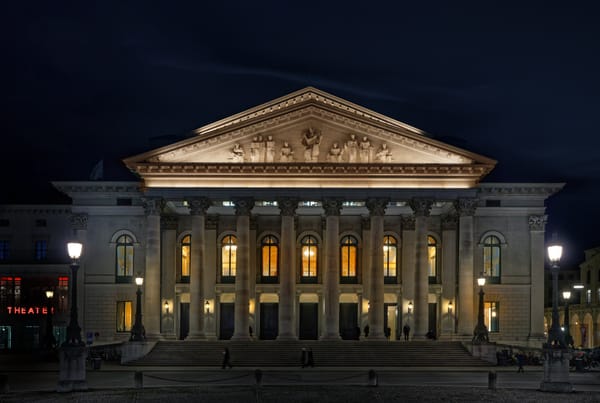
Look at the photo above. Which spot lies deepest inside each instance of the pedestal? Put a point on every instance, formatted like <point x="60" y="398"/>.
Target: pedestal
<point x="133" y="350"/>
<point x="72" y="369"/>
<point x="485" y="352"/>
<point x="556" y="371"/>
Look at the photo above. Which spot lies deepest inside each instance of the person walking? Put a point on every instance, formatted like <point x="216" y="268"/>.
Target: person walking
<point x="226" y="359"/>
<point x="406" y="331"/>
<point x="520" y="362"/>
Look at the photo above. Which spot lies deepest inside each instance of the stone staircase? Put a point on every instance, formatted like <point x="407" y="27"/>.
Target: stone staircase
<point x="326" y="354"/>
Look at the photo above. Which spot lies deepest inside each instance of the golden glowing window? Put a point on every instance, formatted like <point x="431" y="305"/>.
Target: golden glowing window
<point x="432" y="256"/>
<point x="390" y="256"/>
<point x="491" y="316"/>
<point x="491" y="258"/>
<point x="125" y="256"/>
<point x="186" y="254"/>
<point x="270" y="251"/>
<point x="124" y="316"/>
<point x="348" y="256"/>
<point x="309" y="256"/>
<point x="228" y="256"/>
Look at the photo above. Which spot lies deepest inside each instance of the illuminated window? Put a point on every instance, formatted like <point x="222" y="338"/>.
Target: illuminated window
<point x="588" y="296"/>
<point x="4" y="249"/>
<point x="10" y="291"/>
<point x="228" y="257"/>
<point x="390" y="258"/>
<point x="41" y="249"/>
<point x="124" y="258"/>
<point x="270" y="258"/>
<point x="309" y="203"/>
<point x="491" y="258"/>
<point x="432" y="259"/>
<point x="124" y="316"/>
<point x="491" y="316"/>
<point x="309" y="258"/>
<point x="348" y="259"/>
<point x="186" y="254"/>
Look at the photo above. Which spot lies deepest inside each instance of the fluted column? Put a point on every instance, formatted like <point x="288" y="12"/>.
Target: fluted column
<point x="287" y="271"/>
<point x="242" y="274"/>
<point x="421" y="209"/>
<point x="168" y="226"/>
<point x="198" y="208"/>
<point x="449" y="225"/>
<point x="79" y="227"/>
<point x="151" y="319"/>
<point x="377" y="211"/>
<point x="331" y="288"/>
<point x="537" y="227"/>
<point x="466" y="310"/>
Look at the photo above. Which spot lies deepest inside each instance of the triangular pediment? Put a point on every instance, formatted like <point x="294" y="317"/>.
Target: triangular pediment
<point x="310" y="131"/>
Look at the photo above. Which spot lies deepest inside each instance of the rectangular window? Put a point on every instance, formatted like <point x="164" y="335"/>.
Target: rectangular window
<point x="10" y="291"/>
<point x="63" y="294"/>
<point x="41" y="249"/>
<point x="4" y="249"/>
<point x="348" y="261"/>
<point x="491" y="315"/>
<point x="124" y="316"/>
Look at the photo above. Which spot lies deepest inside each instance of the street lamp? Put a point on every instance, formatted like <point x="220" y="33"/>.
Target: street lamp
<point x="137" y="332"/>
<point x="480" y="334"/>
<point x="555" y="335"/>
<point x="566" y="297"/>
<point x="73" y="330"/>
<point x="410" y="307"/>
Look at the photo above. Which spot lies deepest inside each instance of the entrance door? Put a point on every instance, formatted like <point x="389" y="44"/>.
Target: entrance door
<point x="184" y="320"/>
<point x="390" y="326"/>
<point x="349" y="329"/>
<point x="226" y="321"/>
<point x="269" y="320"/>
<point x="433" y="319"/>
<point x="309" y="321"/>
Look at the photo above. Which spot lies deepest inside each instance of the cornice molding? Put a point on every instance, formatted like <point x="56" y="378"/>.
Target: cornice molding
<point x="519" y="189"/>
<point x="99" y="187"/>
<point x="35" y="209"/>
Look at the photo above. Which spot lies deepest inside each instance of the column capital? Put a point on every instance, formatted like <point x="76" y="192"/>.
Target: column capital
<point x="153" y="205"/>
<point x="287" y="206"/>
<point x="449" y="221"/>
<point x="538" y="222"/>
<point x="168" y="222"/>
<point x="377" y="206"/>
<point x="243" y="206"/>
<point x="199" y="205"/>
<point x="332" y="207"/>
<point x="78" y="221"/>
<point x="420" y="207"/>
<point x="408" y="222"/>
<point x="465" y="207"/>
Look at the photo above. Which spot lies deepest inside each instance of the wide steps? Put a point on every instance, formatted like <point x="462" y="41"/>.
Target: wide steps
<point x="326" y="354"/>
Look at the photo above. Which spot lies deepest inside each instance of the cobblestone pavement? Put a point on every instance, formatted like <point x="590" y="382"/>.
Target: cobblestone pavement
<point x="303" y="394"/>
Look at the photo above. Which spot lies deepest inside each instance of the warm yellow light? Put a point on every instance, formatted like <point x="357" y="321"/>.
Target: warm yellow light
<point x="167" y="306"/>
<point x="74" y="249"/>
<point x="481" y="281"/>
<point x="410" y="307"/>
<point x="449" y="306"/>
<point x="139" y="281"/>
<point x="554" y="253"/>
<point x="49" y="294"/>
<point x="566" y="295"/>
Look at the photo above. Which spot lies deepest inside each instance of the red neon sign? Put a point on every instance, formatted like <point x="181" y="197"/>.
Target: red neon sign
<point x="31" y="310"/>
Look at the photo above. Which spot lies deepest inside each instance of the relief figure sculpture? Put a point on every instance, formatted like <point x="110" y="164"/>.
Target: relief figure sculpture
<point x="311" y="139"/>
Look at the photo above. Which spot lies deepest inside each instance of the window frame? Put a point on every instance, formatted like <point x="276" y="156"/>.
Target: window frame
<point x="387" y="278"/>
<point x="311" y="242"/>
<point x="40" y="249"/>
<point x="127" y="242"/>
<point x="432" y="242"/>
<point x="492" y="322"/>
<point x="490" y="243"/>
<point x="229" y="240"/>
<point x="271" y="248"/>
<point x="126" y="304"/>
<point x="186" y="242"/>
<point x="350" y="243"/>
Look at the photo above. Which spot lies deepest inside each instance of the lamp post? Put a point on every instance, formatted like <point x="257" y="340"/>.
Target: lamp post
<point x="568" y="339"/>
<point x="73" y="329"/>
<point x="137" y="332"/>
<point x="555" y="335"/>
<point x="50" y="340"/>
<point x="480" y="334"/>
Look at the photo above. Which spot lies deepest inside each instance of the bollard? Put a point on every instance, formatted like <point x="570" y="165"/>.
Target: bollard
<point x="372" y="378"/>
<point x="258" y="376"/>
<point x="492" y="380"/>
<point x="138" y="378"/>
<point x="4" y="383"/>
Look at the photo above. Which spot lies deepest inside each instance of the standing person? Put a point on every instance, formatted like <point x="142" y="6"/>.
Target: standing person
<point x="520" y="361"/>
<point x="303" y="358"/>
<point x="367" y="330"/>
<point x="226" y="359"/>
<point x="310" y="361"/>
<point x="406" y="331"/>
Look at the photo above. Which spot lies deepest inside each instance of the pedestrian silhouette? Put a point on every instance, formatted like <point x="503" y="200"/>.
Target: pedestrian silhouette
<point x="406" y="331"/>
<point x="310" y="361"/>
<point x="520" y="362"/>
<point x="226" y="359"/>
<point x="367" y="330"/>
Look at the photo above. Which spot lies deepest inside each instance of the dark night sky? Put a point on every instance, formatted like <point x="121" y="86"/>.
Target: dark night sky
<point x="83" y="82"/>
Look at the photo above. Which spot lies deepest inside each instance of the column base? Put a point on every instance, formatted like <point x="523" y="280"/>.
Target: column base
<point x="330" y="337"/>
<point x="287" y="337"/>
<point x="72" y="372"/>
<point x="196" y="336"/>
<point x="241" y="337"/>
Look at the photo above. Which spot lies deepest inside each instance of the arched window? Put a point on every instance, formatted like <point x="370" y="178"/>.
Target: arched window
<point x="270" y="258"/>
<point x="348" y="259"/>
<point x="186" y="258"/>
<point x="432" y="259"/>
<point x="390" y="259"/>
<point x="124" y="259"/>
<point x="491" y="258"/>
<point x="309" y="259"/>
<point x="228" y="258"/>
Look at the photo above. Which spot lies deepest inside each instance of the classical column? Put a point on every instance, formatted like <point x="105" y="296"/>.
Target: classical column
<point x="449" y="225"/>
<point x="287" y="271"/>
<point x="421" y="209"/>
<point x="408" y="268"/>
<point x="198" y="208"/>
<point x="79" y="227"/>
<point x="466" y="310"/>
<point x="209" y="275"/>
<point x="168" y="226"/>
<point x="152" y="305"/>
<point x="537" y="227"/>
<point x="243" y="207"/>
<point x="331" y="289"/>
<point x="377" y="211"/>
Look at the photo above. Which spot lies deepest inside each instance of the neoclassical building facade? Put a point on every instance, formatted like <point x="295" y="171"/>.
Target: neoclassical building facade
<point x="310" y="217"/>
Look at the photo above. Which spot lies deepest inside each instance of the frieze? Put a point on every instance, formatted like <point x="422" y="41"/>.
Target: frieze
<point x="538" y="222"/>
<point x="79" y="221"/>
<point x="466" y="207"/>
<point x="533" y="189"/>
<point x="37" y="210"/>
<point x="421" y="207"/>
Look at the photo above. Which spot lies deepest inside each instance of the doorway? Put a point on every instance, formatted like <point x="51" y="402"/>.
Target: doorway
<point x="309" y="320"/>
<point x="433" y="319"/>
<point x="349" y="329"/>
<point x="184" y="320"/>
<point x="269" y="320"/>
<point x="390" y="322"/>
<point x="227" y="320"/>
